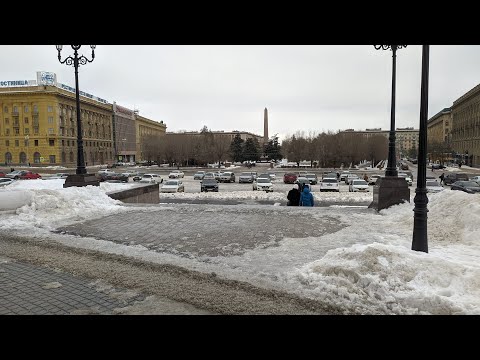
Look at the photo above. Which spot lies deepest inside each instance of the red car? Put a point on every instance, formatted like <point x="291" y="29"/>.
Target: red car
<point x="26" y="175"/>
<point x="2" y="174"/>
<point x="289" y="178"/>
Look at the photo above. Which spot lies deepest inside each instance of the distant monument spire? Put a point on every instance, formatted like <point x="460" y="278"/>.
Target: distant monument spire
<point x="265" y="126"/>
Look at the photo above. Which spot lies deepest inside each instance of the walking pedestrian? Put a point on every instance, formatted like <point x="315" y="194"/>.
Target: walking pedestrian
<point x="306" y="197"/>
<point x="293" y="196"/>
<point x="442" y="177"/>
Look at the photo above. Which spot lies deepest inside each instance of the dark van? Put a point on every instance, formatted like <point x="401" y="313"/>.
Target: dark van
<point x="451" y="178"/>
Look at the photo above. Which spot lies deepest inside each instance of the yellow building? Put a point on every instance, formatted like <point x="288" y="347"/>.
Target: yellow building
<point x="439" y="127"/>
<point x="149" y="134"/>
<point x="466" y="127"/>
<point x="406" y="139"/>
<point x="38" y="125"/>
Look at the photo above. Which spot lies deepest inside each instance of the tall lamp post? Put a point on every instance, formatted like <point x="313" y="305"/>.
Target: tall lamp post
<point x="81" y="178"/>
<point x="391" y="189"/>
<point x="420" y="242"/>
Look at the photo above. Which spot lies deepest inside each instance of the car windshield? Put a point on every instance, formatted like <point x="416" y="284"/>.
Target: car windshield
<point x="171" y="183"/>
<point x="263" y="180"/>
<point x="199" y="173"/>
<point x="209" y="181"/>
<point x="359" y="182"/>
<point x="147" y="176"/>
<point x="329" y="180"/>
<point x="246" y="174"/>
<point x="311" y="176"/>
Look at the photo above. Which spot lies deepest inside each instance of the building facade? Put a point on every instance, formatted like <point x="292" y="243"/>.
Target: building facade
<point x="439" y="127"/>
<point x="406" y="139"/>
<point x="124" y="134"/>
<point x="38" y="125"/>
<point x="230" y="135"/>
<point x="149" y="135"/>
<point x="466" y="127"/>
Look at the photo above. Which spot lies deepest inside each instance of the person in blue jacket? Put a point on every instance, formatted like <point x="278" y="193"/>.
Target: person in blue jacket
<point x="306" y="197"/>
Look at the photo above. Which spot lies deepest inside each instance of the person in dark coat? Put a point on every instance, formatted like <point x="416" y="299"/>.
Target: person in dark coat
<point x="306" y="197"/>
<point x="293" y="196"/>
<point x="442" y="177"/>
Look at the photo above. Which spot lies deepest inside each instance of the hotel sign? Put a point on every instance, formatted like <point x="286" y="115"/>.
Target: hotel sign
<point x="13" y="83"/>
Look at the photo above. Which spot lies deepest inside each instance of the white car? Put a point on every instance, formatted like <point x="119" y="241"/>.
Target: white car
<point x="105" y="171"/>
<point x="176" y="174"/>
<point x="407" y="178"/>
<point x="350" y="177"/>
<point x="151" y="178"/>
<point x="372" y="180"/>
<point x="4" y="181"/>
<point x="170" y="186"/>
<point x="329" y="184"/>
<point x="263" y="184"/>
<point x="272" y="176"/>
<point x="476" y="179"/>
<point x="358" y="185"/>
<point x="57" y="176"/>
<point x="433" y="186"/>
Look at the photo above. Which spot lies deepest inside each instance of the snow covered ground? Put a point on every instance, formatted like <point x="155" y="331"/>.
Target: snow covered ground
<point x="375" y="273"/>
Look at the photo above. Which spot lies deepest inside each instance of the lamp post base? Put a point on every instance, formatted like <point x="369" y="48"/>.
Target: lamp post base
<point x="389" y="191"/>
<point x="81" y="180"/>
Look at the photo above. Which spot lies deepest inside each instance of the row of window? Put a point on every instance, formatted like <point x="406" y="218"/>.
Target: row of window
<point x="37" y="158"/>
<point x="26" y="109"/>
<point x="51" y="142"/>
<point x="23" y="158"/>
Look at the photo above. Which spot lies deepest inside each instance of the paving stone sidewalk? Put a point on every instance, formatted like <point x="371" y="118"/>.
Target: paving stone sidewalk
<point x="26" y="289"/>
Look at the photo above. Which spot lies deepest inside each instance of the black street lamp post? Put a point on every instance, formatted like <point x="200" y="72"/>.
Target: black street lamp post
<point x="420" y="242"/>
<point x="81" y="178"/>
<point x="391" y="189"/>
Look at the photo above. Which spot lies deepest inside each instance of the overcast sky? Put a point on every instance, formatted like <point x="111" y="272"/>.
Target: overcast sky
<point x="305" y="88"/>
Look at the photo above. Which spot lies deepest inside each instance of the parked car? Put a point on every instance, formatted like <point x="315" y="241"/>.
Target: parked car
<point x="372" y="180"/>
<point x="433" y="186"/>
<point x="470" y="187"/>
<point x="290" y="178"/>
<point x="104" y="171"/>
<point x="138" y="177"/>
<point x="476" y="179"/>
<point x="438" y="166"/>
<point x="57" y="176"/>
<point x="15" y="174"/>
<point x="263" y="184"/>
<point x="407" y="178"/>
<point x="312" y="178"/>
<point x="227" y="176"/>
<point x="209" y="175"/>
<point x="350" y="178"/>
<point x="199" y="175"/>
<point x="4" y="181"/>
<point x="301" y="181"/>
<point x="28" y="175"/>
<point x="344" y="175"/>
<point x="208" y="184"/>
<point x="170" y="186"/>
<point x="2" y="174"/>
<point x="454" y="177"/>
<point x="404" y="166"/>
<point x="245" y="177"/>
<point x="329" y="184"/>
<point x="151" y="178"/>
<point x="272" y="176"/>
<point x="217" y="175"/>
<point x="358" y="185"/>
<point x="115" y="177"/>
<point x="176" y="174"/>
